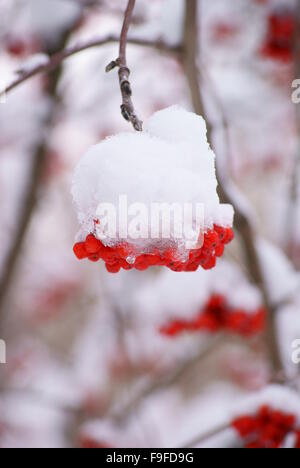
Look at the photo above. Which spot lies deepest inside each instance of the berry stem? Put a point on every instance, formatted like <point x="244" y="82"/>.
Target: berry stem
<point x="127" y="107"/>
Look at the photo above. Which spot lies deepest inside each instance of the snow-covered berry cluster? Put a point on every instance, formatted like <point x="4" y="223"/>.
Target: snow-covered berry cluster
<point x="279" y="40"/>
<point x="268" y="428"/>
<point x="168" y="164"/>
<point x="123" y="255"/>
<point x="218" y="315"/>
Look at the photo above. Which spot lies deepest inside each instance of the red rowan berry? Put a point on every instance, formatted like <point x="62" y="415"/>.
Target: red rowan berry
<point x="16" y="47"/>
<point x="245" y="425"/>
<point x="221" y="231"/>
<point x="206" y="256"/>
<point x="219" y="251"/>
<point x="113" y="268"/>
<point x="175" y="328"/>
<point x="94" y="258"/>
<point x="212" y="239"/>
<point x="279" y="41"/>
<point x="92" y="244"/>
<point x="80" y="250"/>
<point x="211" y="263"/>
<point x="229" y="236"/>
<point x="268" y="428"/>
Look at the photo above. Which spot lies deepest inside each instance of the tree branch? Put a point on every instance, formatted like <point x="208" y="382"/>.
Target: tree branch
<point x="127" y="107"/>
<point x="201" y="438"/>
<point x="170" y="379"/>
<point x="291" y="220"/>
<point x="56" y="60"/>
<point x="31" y="192"/>
<point x="242" y="223"/>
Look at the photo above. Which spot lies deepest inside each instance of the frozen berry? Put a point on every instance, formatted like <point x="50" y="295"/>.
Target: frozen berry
<point x="217" y="315"/>
<point x="94" y="258"/>
<point x="265" y="429"/>
<point x="80" y="250"/>
<point x="92" y="244"/>
<point x="206" y="256"/>
<point x="280" y="36"/>
<point x="114" y="268"/>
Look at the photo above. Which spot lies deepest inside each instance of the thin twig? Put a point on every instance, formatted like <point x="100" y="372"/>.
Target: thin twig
<point x="291" y="220"/>
<point x="57" y="59"/>
<point x="170" y="379"/>
<point x="29" y="202"/>
<point x="242" y="223"/>
<point x="41" y="398"/>
<point x="201" y="438"/>
<point x="127" y="107"/>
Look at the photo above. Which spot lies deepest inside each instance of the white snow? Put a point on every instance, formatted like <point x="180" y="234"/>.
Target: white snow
<point x="172" y="21"/>
<point x="34" y="61"/>
<point x="46" y="18"/>
<point x="255" y="95"/>
<point x="281" y="279"/>
<point x="170" y="162"/>
<point x="276" y="396"/>
<point x="288" y="322"/>
<point x="167" y="25"/>
<point x="178" y="296"/>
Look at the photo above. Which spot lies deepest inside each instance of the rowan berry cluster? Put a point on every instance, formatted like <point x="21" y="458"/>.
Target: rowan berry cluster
<point x="218" y="316"/>
<point x="267" y="429"/>
<point x="280" y="36"/>
<point x="123" y="256"/>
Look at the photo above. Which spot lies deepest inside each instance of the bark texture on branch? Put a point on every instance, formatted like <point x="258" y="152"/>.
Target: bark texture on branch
<point x="127" y="107"/>
<point x="242" y="223"/>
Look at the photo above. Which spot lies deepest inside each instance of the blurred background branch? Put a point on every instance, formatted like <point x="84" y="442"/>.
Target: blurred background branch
<point x="31" y="195"/>
<point x="242" y="223"/>
<point x="56" y="59"/>
<point x="94" y="363"/>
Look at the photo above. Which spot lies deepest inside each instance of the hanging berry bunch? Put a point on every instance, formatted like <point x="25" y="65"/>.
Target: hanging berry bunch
<point x="218" y="316"/>
<point x="168" y="164"/>
<point x="120" y="256"/>
<point x="280" y="36"/>
<point x="268" y="428"/>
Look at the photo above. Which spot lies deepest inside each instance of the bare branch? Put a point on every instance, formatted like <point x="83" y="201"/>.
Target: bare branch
<point x="31" y="192"/>
<point x="127" y="107"/>
<point x="242" y="223"/>
<point x="168" y="380"/>
<point x="41" y="398"/>
<point x="23" y="223"/>
<point x="57" y="59"/>
<point x="201" y="438"/>
<point x="291" y="220"/>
